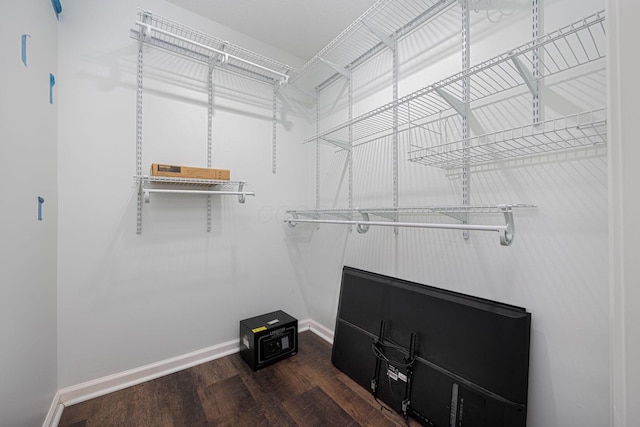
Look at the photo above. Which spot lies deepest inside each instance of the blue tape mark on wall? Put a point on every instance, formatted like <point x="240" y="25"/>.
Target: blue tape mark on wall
<point x="57" y="8"/>
<point x="52" y="83"/>
<point x="24" y="48"/>
<point x="40" y="202"/>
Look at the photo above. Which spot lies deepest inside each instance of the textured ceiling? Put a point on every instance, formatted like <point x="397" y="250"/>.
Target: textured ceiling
<point x="299" y="27"/>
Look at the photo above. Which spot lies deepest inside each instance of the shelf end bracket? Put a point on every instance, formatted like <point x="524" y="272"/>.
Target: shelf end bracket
<point x="241" y="197"/>
<point x="340" y="144"/>
<point x="292" y="223"/>
<point x="454" y="102"/>
<point x="363" y="228"/>
<point x="340" y="70"/>
<point x="526" y="75"/>
<point x="389" y="41"/>
<point x="508" y="233"/>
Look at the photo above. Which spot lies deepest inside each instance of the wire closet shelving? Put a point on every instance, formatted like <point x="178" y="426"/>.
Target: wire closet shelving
<point x="419" y="113"/>
<point x="194" y="45"/>
<point x="382" y="25"/>
<point x="196" y="186"/>
<point x="163" y="33"/>
<point x="565" y="133"/>
<point x="410" y="117"/>
<point x="575" y="45"/>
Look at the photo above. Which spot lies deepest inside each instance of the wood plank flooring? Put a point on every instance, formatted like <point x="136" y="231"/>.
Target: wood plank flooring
<point x="303" y="390"/>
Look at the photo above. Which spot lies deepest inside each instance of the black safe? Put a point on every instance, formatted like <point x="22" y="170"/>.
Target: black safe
<point x="268" y="338"/>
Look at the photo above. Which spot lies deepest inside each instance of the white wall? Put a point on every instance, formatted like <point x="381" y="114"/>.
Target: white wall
<point x="28" y="130"/>
<point x="126" y="300"/>
<point x="624" y="211"/>
<point x="557" y="266"/>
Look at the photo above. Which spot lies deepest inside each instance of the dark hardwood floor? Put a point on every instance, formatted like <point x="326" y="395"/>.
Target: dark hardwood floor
<point x="302" y="390"/>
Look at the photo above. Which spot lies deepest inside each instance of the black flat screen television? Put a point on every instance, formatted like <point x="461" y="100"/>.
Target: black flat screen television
<point x="443" y="358"/>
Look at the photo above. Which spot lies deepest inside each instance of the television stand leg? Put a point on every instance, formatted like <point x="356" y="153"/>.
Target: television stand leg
<point x="406" y="403"/>
<point x="376" y="373"/>
<point x="405" y="408"/>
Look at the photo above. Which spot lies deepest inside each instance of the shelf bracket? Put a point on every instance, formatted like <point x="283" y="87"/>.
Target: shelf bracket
<point x="526" y="75"/>
<point x="340" y="70"/>
<point x="241" y="197"/>
<point x="145" y="28"/>
<point x="390" y="215"/>
<point x="292" y="223"/>
<point x="223" y="56"/>
<point x="309" y="93"/>
<point x="507" y="235"/>
<point x="363" y="228"/>
<point x="389" y="41"/>
<point x="454" y="102"/>
<point x="459" y="216"/>
<point x="341" y="144"/>
<point x="213" y="59"/>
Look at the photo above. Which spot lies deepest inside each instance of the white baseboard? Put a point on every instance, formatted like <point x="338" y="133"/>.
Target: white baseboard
<point x="55" y="412"/>
<point x="318" y="329"/>
<point x="101" y="386"/>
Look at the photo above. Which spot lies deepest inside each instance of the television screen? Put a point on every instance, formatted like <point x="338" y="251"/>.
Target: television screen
<point x="441" y="357"/>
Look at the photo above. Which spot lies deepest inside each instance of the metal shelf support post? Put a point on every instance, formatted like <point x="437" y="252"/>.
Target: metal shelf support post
<point x="466" y="102"/>
<point x="350" y="152"/>
<point x="391" y="43"/>
<point x="317" y="150"/>
<point x="394" y="52"/>
<point x="140" y="69"/>
<point x="274" y="124"/>
<point x="537" y="29"/>
<point x="210" y="132"/>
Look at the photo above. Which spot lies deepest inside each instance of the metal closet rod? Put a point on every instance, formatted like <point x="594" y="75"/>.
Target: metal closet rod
<point x="241" y="194"/>
<point x="506" y="231"/>
<point x="219" y="192"/>
<point x="226" y="55"/>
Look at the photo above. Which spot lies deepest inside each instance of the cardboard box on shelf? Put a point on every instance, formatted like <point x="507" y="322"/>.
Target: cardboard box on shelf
<point x="189" y="172"/>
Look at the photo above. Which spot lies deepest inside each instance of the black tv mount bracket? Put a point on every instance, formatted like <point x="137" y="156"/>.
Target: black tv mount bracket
<point x="409" y="361"/>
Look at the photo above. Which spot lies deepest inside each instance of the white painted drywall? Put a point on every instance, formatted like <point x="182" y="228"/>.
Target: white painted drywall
<point x="557" y="266"/>
<point x="126" y="300"/>
<point x="624" y="211"/>
<point x="28" y="131"/>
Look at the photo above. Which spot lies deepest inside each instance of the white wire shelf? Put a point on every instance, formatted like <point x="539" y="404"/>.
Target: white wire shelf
<point x="360" y="217"/>
<point x="219" y="183"/>
<point x="193" y="186"/>
<point x="585" y="129"/>
<point x="573" y="46"/>
<point x="393" y="19"/>
<point x="179" y="39"/>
